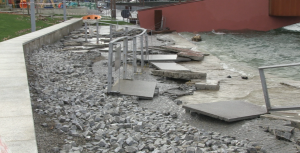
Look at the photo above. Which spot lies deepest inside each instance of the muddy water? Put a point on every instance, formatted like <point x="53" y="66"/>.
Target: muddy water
<point x="283" y="91"/>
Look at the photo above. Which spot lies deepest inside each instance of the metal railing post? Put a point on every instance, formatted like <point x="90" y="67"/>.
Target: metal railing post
<point x="142" y="53"/>
<point x="125" y="45"/>
<point x="85" y="27"/>
<point x="97" y="33"/>
<point x="32" y="16"/>
<point x="110" y="31"/>
<point x="134" y="54"/>
<point x="65" y="10"/>
<point x="109" y="76"/>
<point x="126" y="31"/>
<point x="146" y="46"/>
<point x="264" y="88"/>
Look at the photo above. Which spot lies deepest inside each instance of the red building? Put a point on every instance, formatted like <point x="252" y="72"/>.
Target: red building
<point x="197" y="16"/>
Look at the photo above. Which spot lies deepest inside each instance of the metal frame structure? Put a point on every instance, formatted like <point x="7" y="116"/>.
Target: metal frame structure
<point x="265" y="88"/>
<point x="125" y="51"/>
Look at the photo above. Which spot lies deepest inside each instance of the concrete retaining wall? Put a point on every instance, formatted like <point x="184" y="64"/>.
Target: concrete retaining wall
<point x="51" y="36"/>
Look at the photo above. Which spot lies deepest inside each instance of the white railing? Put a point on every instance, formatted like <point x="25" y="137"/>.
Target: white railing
<point x="265" y="88"/>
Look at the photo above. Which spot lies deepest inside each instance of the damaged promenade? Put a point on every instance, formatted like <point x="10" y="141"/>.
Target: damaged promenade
<point x="73" y="113"/>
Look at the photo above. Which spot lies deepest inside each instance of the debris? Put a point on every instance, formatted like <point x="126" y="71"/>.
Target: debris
<point x="197" y="38"/>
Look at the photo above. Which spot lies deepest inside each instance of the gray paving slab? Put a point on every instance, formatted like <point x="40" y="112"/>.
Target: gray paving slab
<point x="21" y="126"/>
<point x="159" y="57"/>
<point x="9" y="54"/>
<point x="228" y="111"/>
<point x="10" y="45"/>
<point x="10" y="51"/>
<point x="165" y="58"/>
<point x="18" y="59"/>
<point x="13" y="81"/>
<point x="12" y="65"/>
<point x="138" y="88"/>
<point x="15" y="108"/>
<point x="14" y="93"/>
<point x="22" y="146"/>
<point x="169" y="66"/>
<point x="13" y="73"/>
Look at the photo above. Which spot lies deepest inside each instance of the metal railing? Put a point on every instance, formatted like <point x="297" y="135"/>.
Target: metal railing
<point x="265" y="88"/>
<point x="125" y="53"/>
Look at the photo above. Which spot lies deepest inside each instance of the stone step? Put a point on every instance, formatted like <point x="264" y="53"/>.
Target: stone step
<point x="208" y="85"/>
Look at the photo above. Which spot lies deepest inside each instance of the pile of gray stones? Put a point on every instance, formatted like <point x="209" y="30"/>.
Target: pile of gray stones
<point x="65" y="89"/>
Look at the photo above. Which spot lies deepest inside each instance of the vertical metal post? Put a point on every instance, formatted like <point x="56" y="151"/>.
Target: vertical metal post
<point x="264" y="88"/>
<point x="126" y="31"/>
<point x="85" y="27"/>
<point x="109" y="76"/>
<point x="32" y="15"/>
<point x="97" y="33"/>
<point x="65" y="10"/>
<point x="134" y="54"/>
<point x="142" y="53"/>
<point x="110" y="31"/>
<point x="125" y="47"/>
<point x="146" y="46"/>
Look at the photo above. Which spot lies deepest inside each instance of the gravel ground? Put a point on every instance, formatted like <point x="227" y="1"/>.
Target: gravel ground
<point x="72" y="113"/>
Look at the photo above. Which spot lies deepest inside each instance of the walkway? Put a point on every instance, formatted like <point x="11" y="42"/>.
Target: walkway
<point x="16" y="121"/>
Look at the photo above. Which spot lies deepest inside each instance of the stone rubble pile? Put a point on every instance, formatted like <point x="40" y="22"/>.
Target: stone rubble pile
<point x="64" y="88"/>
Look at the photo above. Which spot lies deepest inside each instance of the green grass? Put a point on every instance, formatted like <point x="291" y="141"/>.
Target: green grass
<point x="12" y="25"/>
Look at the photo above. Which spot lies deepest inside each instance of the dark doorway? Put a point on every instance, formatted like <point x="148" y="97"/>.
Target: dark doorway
<point x="157" y="19"/>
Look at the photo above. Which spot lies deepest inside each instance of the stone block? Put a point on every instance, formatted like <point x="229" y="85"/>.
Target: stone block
<point x="209" y="85"/>
<point x="179" y="74"/>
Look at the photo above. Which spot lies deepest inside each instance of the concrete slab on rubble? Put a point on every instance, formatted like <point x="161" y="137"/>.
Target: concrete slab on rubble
<point x="160" y="57"/>
<point x="293" y="117"/>
<point x="138" y="88"/>
<point x="228" y="111"/>
<point x="169" y="66"/>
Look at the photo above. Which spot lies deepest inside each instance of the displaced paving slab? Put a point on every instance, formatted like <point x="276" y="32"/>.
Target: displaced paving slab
<point x="160" y="57"/>
<point x="228" y="111"/>
<point x="185" y="75"/>
<point x="144" y="89"/>
<point x="170" y="66"/>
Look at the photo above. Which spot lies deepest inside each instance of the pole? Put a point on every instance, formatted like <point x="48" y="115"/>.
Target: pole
<point x="109" y="76"/>
<point x="97" y="33"/>
<point x="110" y="31"/>
<point x="27" y="8"/>
<point x="134" y="54"/>
<point x="125" y="41"/>
<point x="142" y="53"/>
<point x="65" y="10"/>
<point x="85" y="27"/>
<point x="32" y="15"/>
<point x="146" y="45"/>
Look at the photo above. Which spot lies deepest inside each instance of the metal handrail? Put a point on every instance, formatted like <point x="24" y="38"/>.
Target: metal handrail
<point x="125" y="49"/>
<point x="265" y="89"/>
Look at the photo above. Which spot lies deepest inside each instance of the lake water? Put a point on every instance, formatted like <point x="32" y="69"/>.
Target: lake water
<point x="243" y="52"/>
<point x="248" y="50"/>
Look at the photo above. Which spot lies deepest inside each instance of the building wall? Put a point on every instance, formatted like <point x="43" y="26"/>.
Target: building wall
<point x="206" y="15"/>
